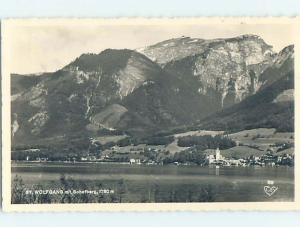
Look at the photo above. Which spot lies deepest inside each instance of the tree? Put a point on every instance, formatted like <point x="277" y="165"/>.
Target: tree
<point x="121" y="189"/>
<point x="18" y="194"/>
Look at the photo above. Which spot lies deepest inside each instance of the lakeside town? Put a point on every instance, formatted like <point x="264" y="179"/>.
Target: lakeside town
<point x="154" y="156"/>
<point x="255" y="147"/>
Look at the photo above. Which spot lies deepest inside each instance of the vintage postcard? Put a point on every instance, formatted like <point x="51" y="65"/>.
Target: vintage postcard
<point x="150" y="114"/>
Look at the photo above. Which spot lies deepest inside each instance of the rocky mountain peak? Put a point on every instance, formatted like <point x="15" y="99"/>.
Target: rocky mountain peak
<point x="282" y="64"/>
<point x="123" y="70"/>
<point x="179" y="48"/>
<point x="108" y="60"/>
<point x="249" y="37"/>
<point x="228" y="68"/>
<point x="172" y="49"/>
<point x="285" y="54"/>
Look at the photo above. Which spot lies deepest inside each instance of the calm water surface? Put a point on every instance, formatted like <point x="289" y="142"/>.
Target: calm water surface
<point x="227" y="183"/>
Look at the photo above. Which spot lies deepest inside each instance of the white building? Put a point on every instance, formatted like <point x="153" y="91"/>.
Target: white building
<point x="218" y="155"/>
<point x="211" y="158"/>
<point x="215" y="158"/>
<point x="135" y="161"/>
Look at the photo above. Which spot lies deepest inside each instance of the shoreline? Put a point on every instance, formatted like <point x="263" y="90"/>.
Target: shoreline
<point x="16" y="164"/>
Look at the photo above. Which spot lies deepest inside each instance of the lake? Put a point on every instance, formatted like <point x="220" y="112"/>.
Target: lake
<point x="170" y="183"/>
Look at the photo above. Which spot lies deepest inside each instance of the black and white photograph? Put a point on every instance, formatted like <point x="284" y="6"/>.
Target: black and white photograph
<point x="164" y="111"/>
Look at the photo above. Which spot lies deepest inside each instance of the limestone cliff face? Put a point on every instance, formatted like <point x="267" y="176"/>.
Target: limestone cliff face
<point x="226" y="68"/>
<point x="122" y="70"/>
<point x="272" y="106"/>
<point x="282" y="63"/>
<point x="286" y="54"/>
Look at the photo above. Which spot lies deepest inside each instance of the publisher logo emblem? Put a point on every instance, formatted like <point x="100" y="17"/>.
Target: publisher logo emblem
<point x="270" y="190"/>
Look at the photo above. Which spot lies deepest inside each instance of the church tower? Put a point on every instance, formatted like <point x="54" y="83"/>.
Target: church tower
<point x="218" y="154"/>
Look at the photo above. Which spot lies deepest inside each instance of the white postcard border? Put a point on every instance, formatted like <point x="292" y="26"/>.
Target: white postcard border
<point x="211" y="206"/>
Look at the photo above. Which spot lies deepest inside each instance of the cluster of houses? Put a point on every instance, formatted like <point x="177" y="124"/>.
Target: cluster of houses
<point x="135" y="157"/>
<point x="210" y="159"/>
<point x="218" y="159"/>
<point x="264" y="160"/>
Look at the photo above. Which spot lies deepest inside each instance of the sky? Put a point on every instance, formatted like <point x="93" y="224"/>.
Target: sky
<point x="47" y="47"/>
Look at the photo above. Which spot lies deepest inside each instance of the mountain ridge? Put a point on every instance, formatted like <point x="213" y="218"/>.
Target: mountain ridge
<point x="127" y="91"/>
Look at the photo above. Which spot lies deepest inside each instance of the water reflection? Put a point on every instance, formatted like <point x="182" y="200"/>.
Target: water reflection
<point x="217" y="170"/>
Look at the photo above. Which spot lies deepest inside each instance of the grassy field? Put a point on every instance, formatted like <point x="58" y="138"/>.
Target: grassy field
<point x="241" y="152"/>
<point x="198" y="133"/>
<point x="173" y="147"/>
<point x="262" y="138"/>
<point x="289" y="151"/>
<point x="108" y="139"/>
<point x="265" y="132"/>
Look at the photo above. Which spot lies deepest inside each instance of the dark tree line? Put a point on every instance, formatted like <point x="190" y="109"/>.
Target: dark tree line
<point x="157" y="140"/>
<point x="192" y="156"/>
<point x="206" y="142"/>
